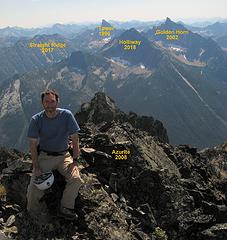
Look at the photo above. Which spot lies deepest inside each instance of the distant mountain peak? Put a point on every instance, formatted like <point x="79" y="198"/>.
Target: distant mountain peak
<point x="44" y="36"/>
<point x="169" y="24"/>
<point x="133" y="30"/>
<point x="105" y="23"/>
<point x="168" y="20"/>
<point x="145" y="52"/>
<point x="131" y="33"/>
<point x="58" y="25"/>
<point x="217" y="24"/>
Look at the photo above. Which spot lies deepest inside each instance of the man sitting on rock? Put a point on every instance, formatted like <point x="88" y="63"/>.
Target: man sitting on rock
<point x="50" y="129"/>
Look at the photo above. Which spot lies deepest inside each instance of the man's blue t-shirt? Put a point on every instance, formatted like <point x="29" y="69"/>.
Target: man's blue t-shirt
<point x="53" y="133"/>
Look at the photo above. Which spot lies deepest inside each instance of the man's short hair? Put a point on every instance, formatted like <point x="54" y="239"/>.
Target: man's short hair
<point x="48" y="92"/>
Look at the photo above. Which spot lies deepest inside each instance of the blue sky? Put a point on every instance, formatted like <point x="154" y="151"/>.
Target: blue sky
<point x="29" y="13"/>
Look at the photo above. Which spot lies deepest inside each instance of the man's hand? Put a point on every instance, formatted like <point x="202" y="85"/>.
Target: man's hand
<point x="73" y="169"/>
<point x="33" y="142"/>
<point x="37" y="171"/>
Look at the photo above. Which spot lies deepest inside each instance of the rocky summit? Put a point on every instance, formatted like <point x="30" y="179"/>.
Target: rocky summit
<point x="136" y="185"/>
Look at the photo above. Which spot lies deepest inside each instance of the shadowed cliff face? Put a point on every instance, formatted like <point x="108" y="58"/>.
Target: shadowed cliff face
<point x="135" y="186"/>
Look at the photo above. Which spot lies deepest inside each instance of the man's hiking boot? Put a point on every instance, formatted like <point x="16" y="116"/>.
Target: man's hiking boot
<point x="68" y="213"/>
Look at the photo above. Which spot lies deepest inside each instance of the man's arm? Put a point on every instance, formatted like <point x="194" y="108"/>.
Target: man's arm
<point x="75" y="143"/>
<point x="34" y="154"/>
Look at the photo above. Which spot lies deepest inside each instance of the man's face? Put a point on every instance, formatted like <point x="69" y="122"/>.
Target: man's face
<point x="50" y="103"/>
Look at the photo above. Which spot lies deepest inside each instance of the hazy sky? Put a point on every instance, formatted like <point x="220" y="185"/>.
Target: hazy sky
<point x="29" y="13"/>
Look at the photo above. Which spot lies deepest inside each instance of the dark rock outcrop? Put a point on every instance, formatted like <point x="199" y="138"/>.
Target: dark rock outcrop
<point x="102" y="109"/>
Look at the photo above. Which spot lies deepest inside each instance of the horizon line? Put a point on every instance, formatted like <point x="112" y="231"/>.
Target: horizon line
<point x="193" y="20"/>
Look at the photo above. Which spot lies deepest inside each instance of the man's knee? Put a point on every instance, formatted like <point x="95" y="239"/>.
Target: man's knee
<point x="75" y="180"/>
<point x="34" y="191"/>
